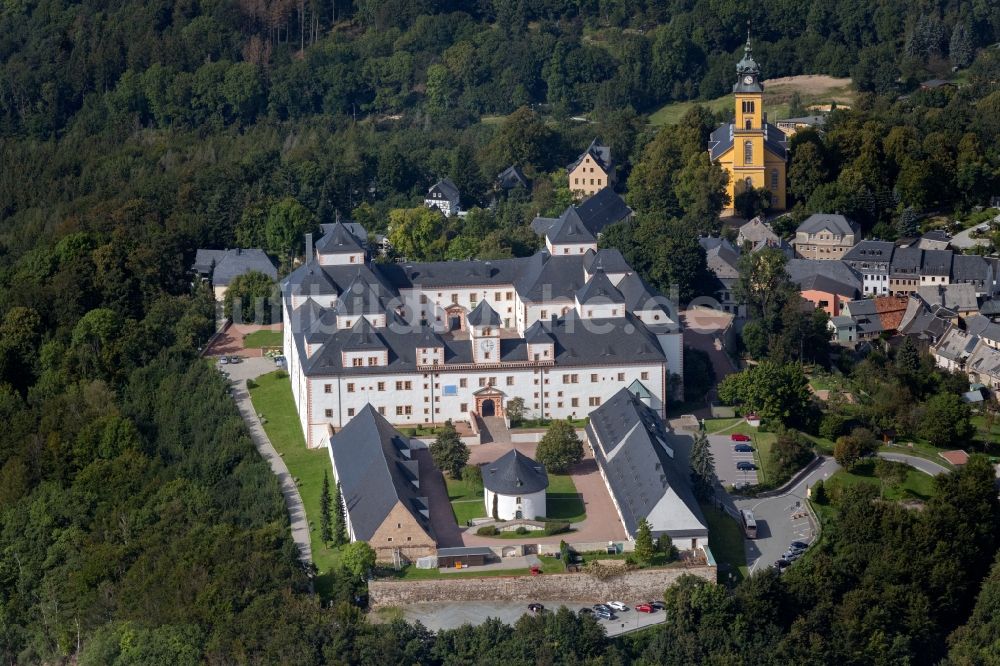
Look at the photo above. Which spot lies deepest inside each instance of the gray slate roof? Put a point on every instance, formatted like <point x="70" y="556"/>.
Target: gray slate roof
<point x="969" y="268"/>
<point x="956" y="345"/>
<point x="602" y="210"/>
<point x="633" y="448"/>
<point x="600" y="289"/>
<point x="600" y="154"/>
<point x="721" y="257"/>
<point x="569" y="228"/>
<point x="831" y="276"/>
<point x="906" y="261"/>
<point x="835" y="223"/>
<point x="339" y="239"/>
<point x="373" y="465"/>
<point x="721" y="140"/>
<point x="608" y="260"/>
<point x="956" y="297"/>
<point x="230" y="264"/>
<point x="483" y="315"/>
<point x="870" y="251"/>
<point x="514" y="474"/>
<point x="936" y="262"/>
<point x="512" y="177"/>
<point x="446" y="187"/>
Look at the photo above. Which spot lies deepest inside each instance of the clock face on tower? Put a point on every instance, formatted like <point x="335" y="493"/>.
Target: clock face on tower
<point x="487" y="346"/>
<point x="748" y="79"/>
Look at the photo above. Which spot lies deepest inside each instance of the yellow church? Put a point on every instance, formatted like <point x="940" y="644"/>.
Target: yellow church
<point x="752" y="151"/>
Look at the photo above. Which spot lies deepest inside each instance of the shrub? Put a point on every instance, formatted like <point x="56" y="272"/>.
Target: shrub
<point x="281" y="374"/>
<point x="488" y="531"/>
<point x="251" y="384"/>
<point x="556" y="527"/>
<point x="521" y="530"/>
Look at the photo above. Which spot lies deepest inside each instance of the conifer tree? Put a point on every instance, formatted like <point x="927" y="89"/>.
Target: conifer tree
<point x="324" y="510"/>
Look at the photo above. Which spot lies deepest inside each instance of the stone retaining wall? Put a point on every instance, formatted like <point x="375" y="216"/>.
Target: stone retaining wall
<point x="641" y="584"/>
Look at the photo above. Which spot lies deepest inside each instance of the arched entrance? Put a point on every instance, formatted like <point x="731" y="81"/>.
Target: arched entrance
<point x="456" y="317"/>
<point x="489" y="401"/>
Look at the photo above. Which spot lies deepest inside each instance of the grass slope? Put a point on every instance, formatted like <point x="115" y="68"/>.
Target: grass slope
<point x="272" y="397"/>
<point x="725" y="539"/>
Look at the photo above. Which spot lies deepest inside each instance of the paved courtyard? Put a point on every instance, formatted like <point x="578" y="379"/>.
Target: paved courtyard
<point x="601" y="524"/>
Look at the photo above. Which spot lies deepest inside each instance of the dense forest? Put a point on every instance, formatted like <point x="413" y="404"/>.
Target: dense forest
<point x="137" y="523"/>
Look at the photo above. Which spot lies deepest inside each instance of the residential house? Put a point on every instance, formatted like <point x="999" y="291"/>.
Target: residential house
<point x="986" y="330"/>
<point x="592" y="171"/>
<point x="825" y="237"/>
<point x="983" y="366"/>
<point x="221" y="267"/>
<point x="828" y="285"/>
<point x="876" y="316"/>
<point x="935" y="267"/>
<point x="845" y="330"/>
<point x="645" y="477"/>
<point x="975" y="270"/>
<point x="756" y="233"/>
<point x="959" y="298"/>
<point x="723" y="261"/>
<point x="904" y="270"/>
<point x="512" y="178"/>
<point x="380" y="483"/>
<point x="595" y="214"/>
<point x="444" y="196"/>
<point x="935" y="239"/>
<point x="926" y="324"/>
<point x="954" y="348"/>
<point x="935" y="84"/>
<point x="871" y="258"/>
<point x="792" y="125"/>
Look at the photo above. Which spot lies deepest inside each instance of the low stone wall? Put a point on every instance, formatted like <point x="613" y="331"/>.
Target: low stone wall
<point x="640" y="584"/>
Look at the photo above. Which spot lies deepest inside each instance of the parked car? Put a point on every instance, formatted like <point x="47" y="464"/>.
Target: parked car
<point x="585" y="611"/>
<point x="235" y="359"/>
<point x="781" y="564"/>
<point x="617" y="605"/>
<point x="602" y="607"/>
<point x="792" y="555"/>
<point x="745" y="466"/>
<point x="223" y="360"/>
<point x="536" y="608"/>
<point x="645" y="608"/>
<point x="604" y="615"/>
<point x="658" y="605"/>
<point x="798" y="545"/>
<point x="743" y="448"/>
<point x="739" y="437"/>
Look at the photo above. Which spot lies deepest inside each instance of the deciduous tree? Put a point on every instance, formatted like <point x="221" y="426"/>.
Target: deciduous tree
<point x="560" y="447"/>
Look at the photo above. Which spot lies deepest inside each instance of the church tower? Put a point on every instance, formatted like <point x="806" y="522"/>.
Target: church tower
<point x="751" y="150"/>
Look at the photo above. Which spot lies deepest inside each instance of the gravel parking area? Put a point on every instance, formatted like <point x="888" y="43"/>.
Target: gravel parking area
<point x="726" y="458"/>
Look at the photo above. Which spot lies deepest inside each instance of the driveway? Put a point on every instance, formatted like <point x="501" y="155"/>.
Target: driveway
<point x="703" y="329"/>
<point x="252" y="368"/>
<point x="438" y="616"/>
<point x="783" y="519"/>
<point x="601" y="524"/>
<point x="230" y="340"/>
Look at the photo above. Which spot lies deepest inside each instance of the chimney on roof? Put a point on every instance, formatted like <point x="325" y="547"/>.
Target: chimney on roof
<point x="309" y="247"/>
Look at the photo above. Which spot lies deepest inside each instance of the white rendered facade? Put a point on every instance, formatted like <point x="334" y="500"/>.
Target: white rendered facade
<point x="512" y="507"/>
<point x="418" y="361"/>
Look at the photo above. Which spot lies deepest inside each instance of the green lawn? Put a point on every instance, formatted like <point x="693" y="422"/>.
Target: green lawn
<point x="715" y="425"/>
<point x="259" y="339"/>
<point x="545" y="423"/>
<point x="725" y="538"/>
<point x="917" y="485"/>
<point x="671" y="114"/>
<point x="272" y="397"/>
<point x="562" y="500"/>
<point x="466" y="500"/>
